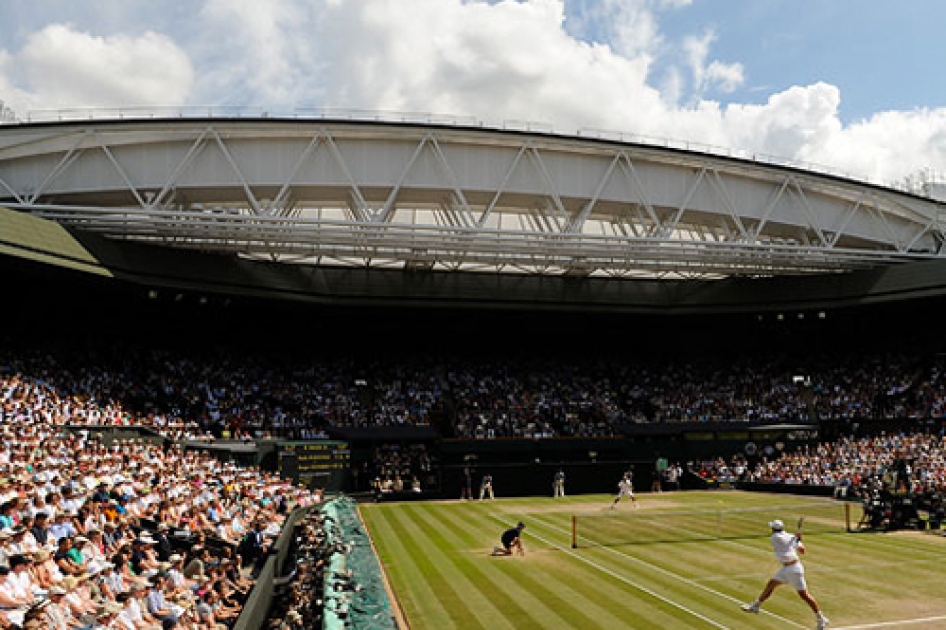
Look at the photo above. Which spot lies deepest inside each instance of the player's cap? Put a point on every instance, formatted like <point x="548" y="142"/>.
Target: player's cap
<point x="521" y="525"/>
<point x="777" y="525"/>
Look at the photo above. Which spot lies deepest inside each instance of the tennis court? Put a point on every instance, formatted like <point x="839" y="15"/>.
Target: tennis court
<point x="682" y="560"/>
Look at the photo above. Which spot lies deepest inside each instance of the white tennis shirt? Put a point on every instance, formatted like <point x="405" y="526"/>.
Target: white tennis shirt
<point x="784" y="545"/>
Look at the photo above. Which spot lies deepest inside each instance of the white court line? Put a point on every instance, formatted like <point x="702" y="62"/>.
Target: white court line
<point x="891" y="624"/>
<point x="673" y="575"/>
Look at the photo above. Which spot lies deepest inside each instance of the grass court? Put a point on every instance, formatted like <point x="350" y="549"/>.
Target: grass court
<point x="682" y="560"/>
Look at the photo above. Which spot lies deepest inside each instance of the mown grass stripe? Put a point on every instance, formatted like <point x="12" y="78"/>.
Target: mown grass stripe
<point x="403" y="571"/>
<point x="532" y="605"/>
<point x="575" y="608"/>
<point x="464" y="598"/>
<point x="431" y="583"/>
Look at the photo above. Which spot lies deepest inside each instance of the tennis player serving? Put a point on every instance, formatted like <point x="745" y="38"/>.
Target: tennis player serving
<point x="787" y="548"/>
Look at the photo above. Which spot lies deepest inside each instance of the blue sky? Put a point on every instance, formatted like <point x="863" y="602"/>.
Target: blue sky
<point x="850" y="84"/>
<point x="881" y="55"/>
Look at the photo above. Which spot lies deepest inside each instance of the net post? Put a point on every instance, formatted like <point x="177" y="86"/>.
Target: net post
<point x="574" y="531"/>
<point x="847" y="516"/>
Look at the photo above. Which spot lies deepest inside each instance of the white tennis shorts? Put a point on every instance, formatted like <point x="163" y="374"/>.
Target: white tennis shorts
<point x="793" y="574"/>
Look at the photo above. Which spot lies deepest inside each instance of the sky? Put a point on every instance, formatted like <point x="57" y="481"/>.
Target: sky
<point x="850" y="85"/>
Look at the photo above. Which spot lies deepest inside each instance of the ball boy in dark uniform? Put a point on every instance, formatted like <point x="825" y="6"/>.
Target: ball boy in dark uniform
<point x="511" y="540"/>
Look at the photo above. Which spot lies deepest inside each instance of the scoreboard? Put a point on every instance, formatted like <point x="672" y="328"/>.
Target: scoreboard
<point x="317" y="464"/>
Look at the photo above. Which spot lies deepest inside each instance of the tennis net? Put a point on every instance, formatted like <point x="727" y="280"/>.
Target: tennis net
<point x="612" y="528"/>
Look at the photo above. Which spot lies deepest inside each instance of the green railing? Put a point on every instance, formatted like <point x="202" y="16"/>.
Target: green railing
<point x="354" y="593"/>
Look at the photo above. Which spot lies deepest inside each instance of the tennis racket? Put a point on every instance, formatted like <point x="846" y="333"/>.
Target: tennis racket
<point x="798" y="528"/>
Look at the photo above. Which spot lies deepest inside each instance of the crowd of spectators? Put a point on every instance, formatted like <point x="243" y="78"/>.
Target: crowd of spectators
<point x="127" y="534"/>
<point x="400" y="467"/>
<point x="850" y="463"/>
<point x="194" y="397"/>
<point x="897" y="463"/>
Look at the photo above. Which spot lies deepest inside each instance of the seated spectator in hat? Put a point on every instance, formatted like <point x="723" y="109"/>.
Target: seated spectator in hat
<point x="57" y="613"/>
<point x="75" y="599"/>
<point x="46" y="572"/>
<point x="15" y="544"/>
<point x="121" y="507"/>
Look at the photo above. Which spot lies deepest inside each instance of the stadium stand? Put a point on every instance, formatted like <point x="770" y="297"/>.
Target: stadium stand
<point x="83" y="383"/>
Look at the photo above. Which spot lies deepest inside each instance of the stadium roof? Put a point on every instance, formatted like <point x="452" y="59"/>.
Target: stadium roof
<point x="456" y="197"/>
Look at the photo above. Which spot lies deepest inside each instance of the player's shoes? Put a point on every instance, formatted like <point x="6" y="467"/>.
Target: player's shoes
<point x="495" y="551"/>
<point x="823" y="622"/>
<point x="751" y="608"/>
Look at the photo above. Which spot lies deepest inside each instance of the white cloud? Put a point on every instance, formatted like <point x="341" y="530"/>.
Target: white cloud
<point x="259" y="53"/>
<point x="727" y="76"/>
<point x="497" y="60"/>
<point x="60" y="67"/>
<point x="503" y="61"/>
<point x="715" y="74"/>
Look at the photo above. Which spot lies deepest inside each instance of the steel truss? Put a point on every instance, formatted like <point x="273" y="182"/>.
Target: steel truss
<point x="453" y="198"/>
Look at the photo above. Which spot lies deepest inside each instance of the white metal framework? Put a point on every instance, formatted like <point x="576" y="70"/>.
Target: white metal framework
<point x="418" y="196"/>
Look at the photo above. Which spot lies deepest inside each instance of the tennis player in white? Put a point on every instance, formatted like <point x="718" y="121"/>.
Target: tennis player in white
<point x="787" y="548"/>
<point x="625" y="489"/>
